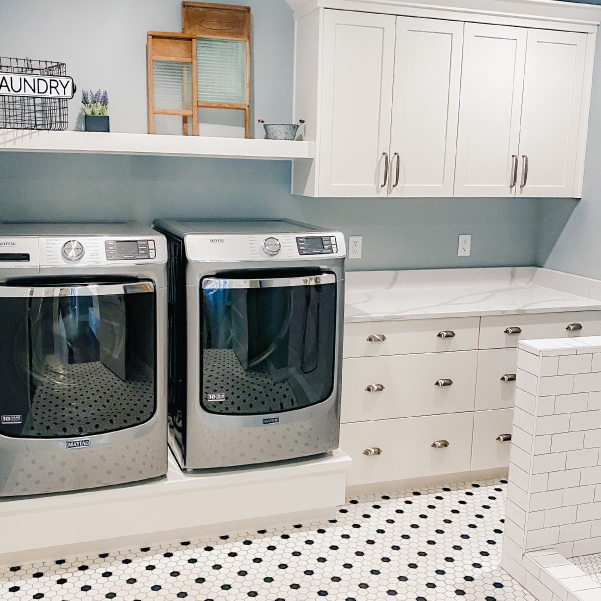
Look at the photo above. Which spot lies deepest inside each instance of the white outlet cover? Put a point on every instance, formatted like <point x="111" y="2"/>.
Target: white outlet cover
<point x="355" y="246"/>
<point x="465" y="245"/>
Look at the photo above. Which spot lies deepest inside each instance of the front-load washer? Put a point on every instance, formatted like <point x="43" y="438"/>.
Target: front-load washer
<point x="83" y="370"/>
<point x="255" y="324"/>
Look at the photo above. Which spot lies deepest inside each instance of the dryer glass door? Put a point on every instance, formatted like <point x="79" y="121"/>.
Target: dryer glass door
<point x="76" y="359"/>
<point x="268" y="345"/>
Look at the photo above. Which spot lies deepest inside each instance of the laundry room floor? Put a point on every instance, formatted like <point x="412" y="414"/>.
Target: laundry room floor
<point x="431" y="544"/>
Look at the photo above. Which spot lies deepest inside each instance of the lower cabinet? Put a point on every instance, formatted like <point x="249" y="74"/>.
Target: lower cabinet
<point x="495" y="385"/>
<point x="399" y="449"/>
<point x="491" y="446"/>
<point x="375" y="388"/>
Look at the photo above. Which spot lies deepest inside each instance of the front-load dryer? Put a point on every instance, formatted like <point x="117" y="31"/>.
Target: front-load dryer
<point x="255" y="322"/>
<point x="82" y="356"/>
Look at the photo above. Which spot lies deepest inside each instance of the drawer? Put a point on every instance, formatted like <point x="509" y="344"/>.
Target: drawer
<point x="493" y="392"/>
<point x="487" y="451"/>
<point x="375" y="338"/>
<point x="535" y="326"/>
<point x="409" y="385"/>
<point x="406" y="450"/>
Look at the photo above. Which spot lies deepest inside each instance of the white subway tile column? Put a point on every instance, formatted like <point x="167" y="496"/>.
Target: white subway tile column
<point x="554" y="490"/>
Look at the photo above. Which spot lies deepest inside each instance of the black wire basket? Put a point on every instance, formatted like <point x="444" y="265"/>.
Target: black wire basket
<point x="27" y="112"/>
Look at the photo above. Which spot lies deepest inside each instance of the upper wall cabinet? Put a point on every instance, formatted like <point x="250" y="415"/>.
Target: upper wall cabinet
<point x="521" y="100"/>
<point x="404" y="106"/>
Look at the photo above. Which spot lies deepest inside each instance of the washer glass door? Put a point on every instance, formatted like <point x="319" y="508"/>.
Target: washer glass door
<point x="268" y="345"/>
<point x="76" y="359"/>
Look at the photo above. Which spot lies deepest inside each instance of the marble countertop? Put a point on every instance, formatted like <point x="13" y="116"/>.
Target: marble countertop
<point x="423" y="294"/>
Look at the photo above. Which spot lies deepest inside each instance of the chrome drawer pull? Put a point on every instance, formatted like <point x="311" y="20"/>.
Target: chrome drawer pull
<point x="574" y="327"/>
<point x="446" y="334"/>
<point x="508" y="378"/>
<point x="513" y="330"/>
<point x="440" y="444"/>
<point x="375" y="388"/>
<point x="376" y="338"/>
<point x="372" y="451"/>
<point x="443" y="382"/>
<point x="504" y="437"/>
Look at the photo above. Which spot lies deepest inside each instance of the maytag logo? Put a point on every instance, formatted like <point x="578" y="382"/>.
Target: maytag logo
<point x="11" y="419"/>
<point x="218" y="240"/>
<point x="82" y="443"/>
<point x="8" y="244"/>
<point x="271" y="420"/>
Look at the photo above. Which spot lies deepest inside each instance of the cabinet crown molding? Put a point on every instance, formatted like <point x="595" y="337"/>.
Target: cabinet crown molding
<point x="583" y="17"/>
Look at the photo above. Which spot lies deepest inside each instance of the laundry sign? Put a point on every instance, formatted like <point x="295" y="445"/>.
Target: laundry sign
<point x="41" y="86"/>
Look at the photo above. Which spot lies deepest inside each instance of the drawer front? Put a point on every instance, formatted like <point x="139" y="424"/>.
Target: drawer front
<point x="406" y="450"/>
<point x="376" y="338"/>
<point x="409" y="385"/>
<point x="534" y="326"/>
<point x="488" y="452"/>
<point x="495" y="388"/>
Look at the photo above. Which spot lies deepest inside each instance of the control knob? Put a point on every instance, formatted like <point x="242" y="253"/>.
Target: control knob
<point x="271" y="246"/>
<point x="72" y="250"/>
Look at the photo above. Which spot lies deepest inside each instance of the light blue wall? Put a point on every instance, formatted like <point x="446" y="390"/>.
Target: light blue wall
<point x="105" y="48"/>
<point x="570" y="231"/>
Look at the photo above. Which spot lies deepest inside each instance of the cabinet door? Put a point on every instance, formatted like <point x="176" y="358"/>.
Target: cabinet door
<point x="358" y="61"/>
<point x="489" y="117"/>
<point x="553" y="85"/>
<point x="425" y="106"/>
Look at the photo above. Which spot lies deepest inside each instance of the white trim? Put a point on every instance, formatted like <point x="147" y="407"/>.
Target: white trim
<point x="551" y="14"/>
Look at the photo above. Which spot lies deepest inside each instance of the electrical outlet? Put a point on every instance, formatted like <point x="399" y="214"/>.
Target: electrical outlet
<point x="355" y="245"/>
<point x="465" y="245"/>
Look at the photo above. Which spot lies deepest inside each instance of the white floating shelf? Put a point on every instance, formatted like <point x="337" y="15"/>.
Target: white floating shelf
<point x="146" y="144"/>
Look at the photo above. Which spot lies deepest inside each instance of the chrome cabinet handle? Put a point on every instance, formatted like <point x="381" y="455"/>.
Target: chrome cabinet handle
<point x="446" y="334"/>
<point x="508" y="378"/>
<point x="524" y="171"/>
<point x="443" y="382"/>
<point x="514" y="178"/>
<point x="375" y="388"/>
<point x="440" y="444"/>
<point x="385" y="155"/>
<point x="398" y="169"/>
<point x="513" y="330"/>
<point x="504" y="437"/>
<point x="574" y="327"/>
<point x="372" y="451"/>
<point x="376" y="338"/>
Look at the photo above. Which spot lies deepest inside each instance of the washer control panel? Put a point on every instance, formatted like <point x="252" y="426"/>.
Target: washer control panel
<point x="129" y="250"/>
<point x="317" y="245"/>
<point x="271" y="246"/>
<point x="73" y="250"/>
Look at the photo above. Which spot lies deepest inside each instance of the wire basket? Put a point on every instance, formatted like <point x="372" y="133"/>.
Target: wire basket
<point x="27" y="112"/>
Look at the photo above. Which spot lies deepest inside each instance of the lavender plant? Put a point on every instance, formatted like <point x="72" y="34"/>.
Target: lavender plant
<point x="94" y="103"/>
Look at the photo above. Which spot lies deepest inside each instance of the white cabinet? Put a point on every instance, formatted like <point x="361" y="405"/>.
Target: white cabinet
<point x="489" y="119"/>
<point x="391" y="400"/>
<point x="404" y="106"/>
<point x="356" y="103"/>
<point x="371" y="140"/>
<point x="521" y="104"/>
<point x="553" y="85"/>
<point x="425" y="107"/>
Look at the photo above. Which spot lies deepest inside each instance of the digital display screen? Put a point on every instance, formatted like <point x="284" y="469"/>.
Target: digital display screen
<point x="313" y="243"/>
<point x="127" y="247"/>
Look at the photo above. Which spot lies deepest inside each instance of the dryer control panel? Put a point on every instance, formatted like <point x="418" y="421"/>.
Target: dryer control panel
<point x="129" y="250"/>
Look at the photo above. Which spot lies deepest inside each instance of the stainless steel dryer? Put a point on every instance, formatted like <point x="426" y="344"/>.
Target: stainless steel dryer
<point x="83" y="370"/>
<point x="255" y="322"/>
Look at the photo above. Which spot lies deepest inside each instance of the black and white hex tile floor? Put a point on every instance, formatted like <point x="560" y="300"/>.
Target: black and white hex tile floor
<point x="432" y="544"/>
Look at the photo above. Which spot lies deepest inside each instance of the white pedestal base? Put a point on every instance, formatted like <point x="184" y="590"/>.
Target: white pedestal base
<point x="178" y="507"/>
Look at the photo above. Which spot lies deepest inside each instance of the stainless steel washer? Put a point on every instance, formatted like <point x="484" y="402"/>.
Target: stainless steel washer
<point x="83" y="386"/>
<point x="255" y="322"/>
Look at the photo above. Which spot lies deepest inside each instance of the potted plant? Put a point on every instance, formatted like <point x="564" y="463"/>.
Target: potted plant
<point x="94" y="106"/>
